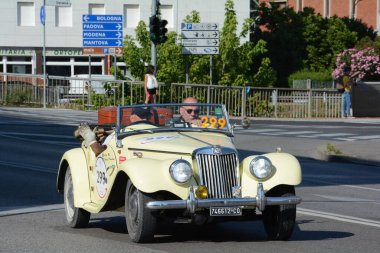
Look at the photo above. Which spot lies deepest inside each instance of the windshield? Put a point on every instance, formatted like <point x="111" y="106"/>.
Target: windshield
<point x="172" y="117"/>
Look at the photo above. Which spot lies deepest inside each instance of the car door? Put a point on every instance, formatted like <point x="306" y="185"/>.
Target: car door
<point x="102" y="175"/>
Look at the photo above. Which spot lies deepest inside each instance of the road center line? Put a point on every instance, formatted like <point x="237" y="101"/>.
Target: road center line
<point x="339" y="217"/>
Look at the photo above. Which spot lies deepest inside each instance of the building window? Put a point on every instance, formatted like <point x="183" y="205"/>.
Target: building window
<point x="280" y="3"/>
<point x="63" y="16"/>
<point x="131" y="15"/>
<point x="299" y="5"/>
<point x="96" y="9"/>
<point x="25" y="14"/>
<point x="167" y="13"/>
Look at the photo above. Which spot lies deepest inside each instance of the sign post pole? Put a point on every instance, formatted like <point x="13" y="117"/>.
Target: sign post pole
<point x="152" y="45"/>
<point x="43" y="18"/>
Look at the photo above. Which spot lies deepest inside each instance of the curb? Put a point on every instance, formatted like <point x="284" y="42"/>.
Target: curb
<point x="348" y="159"/>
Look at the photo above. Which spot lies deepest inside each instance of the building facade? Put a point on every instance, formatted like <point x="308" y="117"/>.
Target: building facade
<point x="21" y="34"/>
<point x="366" y="10"/>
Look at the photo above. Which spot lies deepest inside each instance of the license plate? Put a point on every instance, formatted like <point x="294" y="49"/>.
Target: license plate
<point x="225" y="211"/>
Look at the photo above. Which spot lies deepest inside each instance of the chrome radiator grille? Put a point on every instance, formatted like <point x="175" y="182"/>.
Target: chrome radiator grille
<point x="218" y="173"/>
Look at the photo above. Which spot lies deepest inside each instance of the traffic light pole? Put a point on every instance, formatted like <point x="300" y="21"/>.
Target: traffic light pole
<point x="152" y="45"/>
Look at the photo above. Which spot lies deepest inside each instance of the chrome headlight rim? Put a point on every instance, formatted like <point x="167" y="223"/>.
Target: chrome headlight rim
<point x="269" y="168"/>
<point x="174" y="173"/>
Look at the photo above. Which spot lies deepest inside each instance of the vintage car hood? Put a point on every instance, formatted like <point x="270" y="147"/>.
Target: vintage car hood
<point x="184" y="142"/>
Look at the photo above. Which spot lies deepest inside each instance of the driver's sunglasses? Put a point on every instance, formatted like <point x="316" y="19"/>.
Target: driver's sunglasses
<point x="189" y="111"/>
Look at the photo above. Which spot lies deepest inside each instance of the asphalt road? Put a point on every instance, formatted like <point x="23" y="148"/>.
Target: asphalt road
<point x="339" y="212"/>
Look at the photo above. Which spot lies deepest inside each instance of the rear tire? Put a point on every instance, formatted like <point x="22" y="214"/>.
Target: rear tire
<point x="279" y="220"/>
<point x="141" y="221"/>
<point x="75" y="217"/>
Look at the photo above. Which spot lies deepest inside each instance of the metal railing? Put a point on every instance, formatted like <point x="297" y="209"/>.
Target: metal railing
<point x="85" y="94"/>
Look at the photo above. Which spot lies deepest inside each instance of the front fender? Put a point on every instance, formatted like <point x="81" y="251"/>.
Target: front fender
<point x="287" y="172"/>
<point x="151" y="175"/>
<point x="76" y="160"/>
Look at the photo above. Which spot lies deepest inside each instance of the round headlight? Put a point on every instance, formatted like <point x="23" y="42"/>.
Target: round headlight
<point x="261" y="167"/>
<point x="181" y="171"/>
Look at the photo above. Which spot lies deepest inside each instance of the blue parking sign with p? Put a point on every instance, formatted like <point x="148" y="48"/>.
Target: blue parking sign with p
<point x="189" y="26"/>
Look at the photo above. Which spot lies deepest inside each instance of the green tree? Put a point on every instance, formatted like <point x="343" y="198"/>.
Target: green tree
<point x="136" y="52"/>
<point x="282" y="29"/>
<point x="234" y="63"/>
<point x="325" y="37"/>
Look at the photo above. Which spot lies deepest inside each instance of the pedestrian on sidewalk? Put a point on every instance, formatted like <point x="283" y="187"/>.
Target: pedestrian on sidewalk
<point x="150" y="85"/>
<point x="346" y="96"/>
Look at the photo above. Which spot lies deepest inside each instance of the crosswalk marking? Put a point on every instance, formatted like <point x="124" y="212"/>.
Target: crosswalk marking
<point x="332" y="135"/>
<point x="291" y="133"/>
<point x="261" y="130"/>
<point x="367" y="137"/>
<point x="349" y="137"/>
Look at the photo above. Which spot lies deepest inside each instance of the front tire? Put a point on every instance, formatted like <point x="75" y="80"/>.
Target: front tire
<point x="75" y="217"/>
<point x="141" y="221"/>
<point x="279" y="220"/>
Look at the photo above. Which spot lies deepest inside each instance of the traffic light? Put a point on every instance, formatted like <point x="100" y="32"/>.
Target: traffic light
<point x="163" y="31"/>
<point x="157" y="29"/>
<point x="154" y="28"/>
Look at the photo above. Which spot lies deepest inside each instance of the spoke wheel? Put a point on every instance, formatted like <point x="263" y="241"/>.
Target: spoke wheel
<point x="279" y="220"/>
<point x="75" y="217"/>
<point x="141" y="221"/>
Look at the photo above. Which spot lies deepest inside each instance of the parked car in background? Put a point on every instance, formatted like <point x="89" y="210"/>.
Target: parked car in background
<point x="165" y="169"/>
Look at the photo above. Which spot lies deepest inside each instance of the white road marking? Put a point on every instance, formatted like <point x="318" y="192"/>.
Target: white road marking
<point x="339" y="217"/>
<point x="345" y="139"/>
<point x="35" y="209"/>
<point x="38" y="135"/>
<point x="367" y="137"/>
<point x="332" y="134"/>
<point x="361" y="187"/>
<point x="344" y="199"/>
<point x="262" y="130"/>
<point x="28" y="167"/>
<point x="292" y="133"/>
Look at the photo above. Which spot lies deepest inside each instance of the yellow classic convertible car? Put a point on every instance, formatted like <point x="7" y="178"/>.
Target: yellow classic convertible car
<point x="176" y="162"/>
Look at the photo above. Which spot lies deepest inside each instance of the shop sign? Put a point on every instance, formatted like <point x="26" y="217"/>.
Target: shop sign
<point x="64" y="52"/>
<point x="16" y="52"/>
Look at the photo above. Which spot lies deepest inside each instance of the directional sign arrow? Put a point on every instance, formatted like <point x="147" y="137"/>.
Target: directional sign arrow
<point x="85" y="18"/>
<point x="200" y="34"/>
<point x="118" y="26"/>
<point x="199" y="26"/>
<point x="200" y="50"/>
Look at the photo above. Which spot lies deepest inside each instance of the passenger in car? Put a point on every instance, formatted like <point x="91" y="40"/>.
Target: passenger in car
<point x="190" y="114"/>
<point x="139" y="115"/>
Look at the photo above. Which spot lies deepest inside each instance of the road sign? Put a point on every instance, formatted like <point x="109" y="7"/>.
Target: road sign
<point x="199" y="26"/>
<point x="200" y="50"/>
<point x="200" y="38"/>
<point x="59" y="3"/>
<point x="92" y="50"/>
<point x="200" y="43"/>
<point x="113" y="50"/>
<point x="42" y="15"/>
<point x="200" y="34"/>
<point x="102" y="31"/>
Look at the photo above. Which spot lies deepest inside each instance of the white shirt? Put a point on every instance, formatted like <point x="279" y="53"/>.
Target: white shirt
<point x="151" y="82"/>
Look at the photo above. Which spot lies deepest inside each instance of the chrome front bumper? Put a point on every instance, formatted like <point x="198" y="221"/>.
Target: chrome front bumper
<point x="191" y="204"/>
